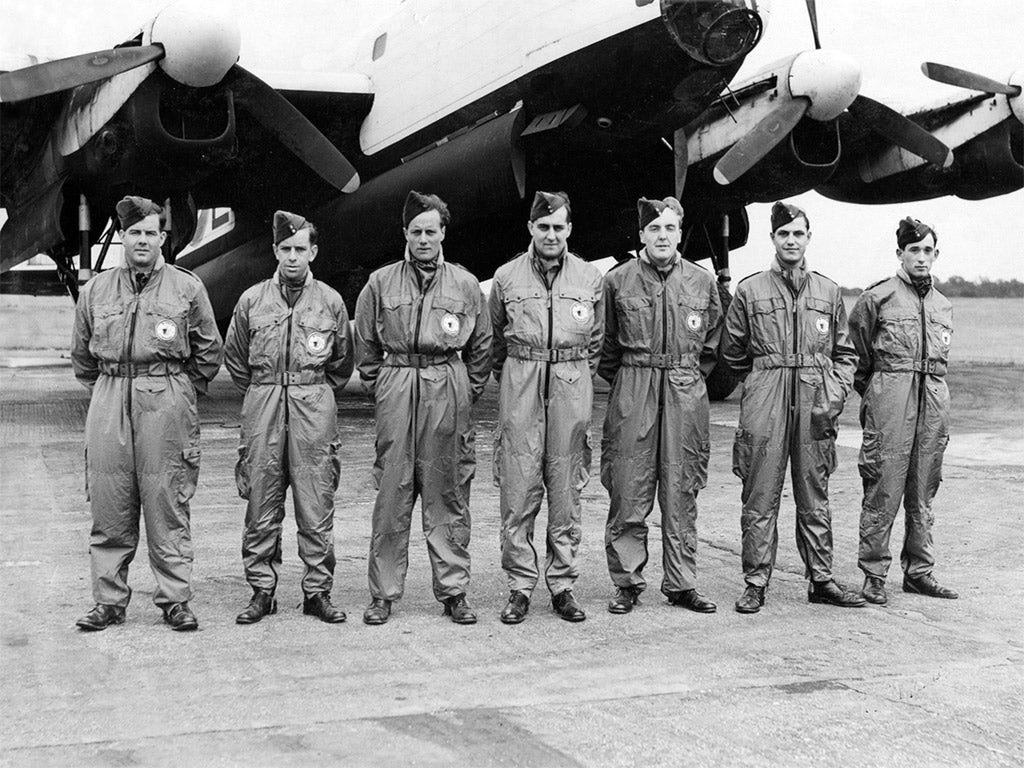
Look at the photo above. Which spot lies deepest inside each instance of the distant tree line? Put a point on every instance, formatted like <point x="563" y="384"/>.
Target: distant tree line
<point x="978" y="289"/>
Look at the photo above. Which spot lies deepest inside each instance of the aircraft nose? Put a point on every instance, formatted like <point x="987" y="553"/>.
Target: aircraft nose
<point x="830" y="79"/>
<point x="200" y="41"/>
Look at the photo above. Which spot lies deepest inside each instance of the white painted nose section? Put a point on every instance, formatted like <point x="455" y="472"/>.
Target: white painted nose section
<point x="201" y="42"/>
<point x="830" y="79"/>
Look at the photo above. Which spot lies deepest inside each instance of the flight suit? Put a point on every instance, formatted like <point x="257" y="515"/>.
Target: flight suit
<point x="290" y="361"/>
<point x="794" y="348"/>
<point x="547" y="342"/>
<point x="144" y="354"/>
<point x="903" y="343"/>
<point x="423" y="348"/>
<point x="661" y="339"/>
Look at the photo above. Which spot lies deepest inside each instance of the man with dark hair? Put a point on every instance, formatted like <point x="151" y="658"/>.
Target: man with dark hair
<point x="145" y="343"/>
<point x="548" y="318"/>
<point x="289" y="349"/>
<point x="901" y="328"/>
<point x="663" y="320"/>
<point x="786" y="330"/>
<point x="423" y="344"/>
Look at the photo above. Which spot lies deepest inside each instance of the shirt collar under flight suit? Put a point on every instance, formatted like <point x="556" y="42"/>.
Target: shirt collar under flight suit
<point x="548" y="269"/>
<point x="425" y="271"/>
<point x="290" y="291"/>
<point x="793" y="276"/>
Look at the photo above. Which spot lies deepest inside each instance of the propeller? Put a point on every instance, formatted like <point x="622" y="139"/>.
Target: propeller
<point x="901" y="131"/>
<point x="944" y="73"/>
<point x="812" y="11"/>
<point x="772" y="129"/>
<point x="62" y="74"/>
<point x="681" y="157"/>
<point x="275" y="113"/>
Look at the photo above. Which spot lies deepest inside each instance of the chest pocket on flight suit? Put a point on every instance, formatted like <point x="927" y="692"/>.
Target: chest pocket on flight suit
<point x="574" y="314"/>
<point x="108" y="321"/>
<point x="636" y="320"/>
<point x="693" y="313"/>
<point x="768" y="321"/>
<point x="525" y="309"/>
<point x="449" y="323"/>
<point x="818" y="330"/>
<point x="264" y="340"/>
<point x="940" y="336"/>
<point x="315" y="340"/>
<point x="165" y="330"/>
<point x="899" y="333"/>
<point x="395" y="322"/>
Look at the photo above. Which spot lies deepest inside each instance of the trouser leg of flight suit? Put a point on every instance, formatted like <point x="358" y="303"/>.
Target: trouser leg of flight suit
<point x="885" y="475"/>
<point x="113" y="492"/>
<point x="264" y="513"/>
<point x="313" y="475"/>
<point x="444" y="450"/>
<point x="519" y="473"/>
<point x="760" y="462"/>
<point x="630" y="473"/>
<point x="923" y="478"/>
<point x="813" y="461"/>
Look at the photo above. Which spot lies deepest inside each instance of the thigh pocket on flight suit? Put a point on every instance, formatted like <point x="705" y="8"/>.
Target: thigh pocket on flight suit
<point x="696" y="469"/>
<point x="742" y="454"/>
<point x="823" y="453"/>
<point x="242" y="480"/>
<point x="189" y="473"/>
<point x="935" y="466"/>
<point x="378" y="466"/>
<point x="869" y="461"/>
<point x="87" y="496"/>
<point x="496" y="457"/>
<point x="467" y="457"/>
<point x="332" y="474"/>
<point x="581" y="473"/>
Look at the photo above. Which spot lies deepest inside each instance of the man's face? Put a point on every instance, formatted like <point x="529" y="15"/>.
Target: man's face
<point x="790" y="240"/>
<point x="661" y="237"/>
<point x="550" y="233"/>
<point x="917" y="258"/>
<point x="425" y="235"/>
<point x="294" y="255"/>
<point x="142" y="241"/>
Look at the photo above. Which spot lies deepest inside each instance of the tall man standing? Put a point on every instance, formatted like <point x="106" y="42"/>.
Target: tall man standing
<point x="786" y="329"/>
<point x="548" y="318"/>
<point x="289" y="349"/>
<point x="663" y="321"/>
<point x="144" y="342"/>
<point x="901" y="328"/>
<point x="423" y="339"/>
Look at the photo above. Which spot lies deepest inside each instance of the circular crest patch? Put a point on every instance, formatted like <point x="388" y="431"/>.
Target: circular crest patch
<point x="822" y="325"/>
<point x="316" y="342"/>
<point x="946" y="337"/>
<point x="166" y="330"/>
<point x="580" y="312"/>
<point x="450" y="324"/>
<point x="694" y="321"/>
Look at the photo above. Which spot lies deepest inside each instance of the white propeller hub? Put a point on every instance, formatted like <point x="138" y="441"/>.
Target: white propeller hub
<point x="1017" y="102"/>
<point x="200" y="41"/>
<point x="829" y="79"/>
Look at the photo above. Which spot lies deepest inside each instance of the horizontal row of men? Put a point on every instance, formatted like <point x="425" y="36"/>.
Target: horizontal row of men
<point x="426" y="341"/>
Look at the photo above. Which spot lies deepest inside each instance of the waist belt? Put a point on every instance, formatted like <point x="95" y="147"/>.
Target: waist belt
<point x="289" y="378"/>
<point x="649" y="360"/>
<point x="560" y="355"/>
<point x="934" y="367"/>
<point x="134" y="370"/>
<point x="785" y="361"/>
<point x="417" y="359"/>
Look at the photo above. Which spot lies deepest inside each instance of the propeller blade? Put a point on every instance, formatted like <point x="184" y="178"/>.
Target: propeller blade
<point x="901" y="131"/>
<point x="812" y="11"/>
<point x="62" y="74"/>
<point x="943" y="73"/>
<point x="680" y="153"/>
<point x="772" y="129"/>
<point x="291" y="127"/>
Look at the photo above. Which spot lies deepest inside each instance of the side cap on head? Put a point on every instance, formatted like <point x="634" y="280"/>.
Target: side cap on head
<point x="287" y="224"/>
<point x="546" y="203"/>
<point x="132" y="209"/>
<point x="783" y="213"/>
<point x="649" y="210"/>
<point x="417" y="203"/>
<point x="913" y="231"/>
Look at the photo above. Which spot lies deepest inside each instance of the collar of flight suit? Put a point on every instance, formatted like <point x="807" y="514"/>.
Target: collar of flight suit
<point x="536" y="261"/>
<point x="157" y="265"/>
<point x="646" y="258"/>
<point x="438" y="261"/>
<point x="797" y="271"/>
<point x="309" y="278"/>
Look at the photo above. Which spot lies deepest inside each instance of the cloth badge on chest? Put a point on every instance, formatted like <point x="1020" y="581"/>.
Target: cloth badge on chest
<point x="450" y="324"/>
<point x="166" y="330"/>
<point x="694" y="321"/>
<point x="316" y="343"/>
<point x="580" y="312"/>
<point x="822" y="325"/>
<point x="945" y="337"/>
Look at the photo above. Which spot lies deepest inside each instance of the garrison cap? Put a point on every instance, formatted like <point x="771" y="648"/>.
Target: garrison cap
<point x="649" y="210"/>
<point x="417" y="203"/>
<point x="287" y="224"/>
<point x="546" y="203"/>
<point x="913" y="231"/>
<point x="132" y="210"/>
<point x="783" y="213"/>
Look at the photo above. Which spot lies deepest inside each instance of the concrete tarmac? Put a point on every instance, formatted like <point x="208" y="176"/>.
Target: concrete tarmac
<point x="919" y="682"/>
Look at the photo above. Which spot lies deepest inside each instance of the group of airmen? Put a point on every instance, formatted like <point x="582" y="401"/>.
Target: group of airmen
<point x="426" y="341"/>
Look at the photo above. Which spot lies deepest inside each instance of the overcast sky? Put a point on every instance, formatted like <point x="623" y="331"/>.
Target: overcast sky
<point x="853" y="244"/>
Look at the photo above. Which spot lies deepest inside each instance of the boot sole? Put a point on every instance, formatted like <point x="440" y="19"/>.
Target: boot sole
<point x="273" y="609"/>
<point x="826" y="601"/>
<point x="748" y="610"/>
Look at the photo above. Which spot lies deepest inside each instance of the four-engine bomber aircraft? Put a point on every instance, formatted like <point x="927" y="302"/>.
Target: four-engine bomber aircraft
<point x="483" y="103"/>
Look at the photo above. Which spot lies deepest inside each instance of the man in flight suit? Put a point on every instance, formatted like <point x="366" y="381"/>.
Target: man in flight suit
<point x="423" y="341"/>
<point x="548" y="317"/>
<point x="663" y="321"/>
<point x="901" y="328"/>
<point x="786" y="329"/>
<point x="289" y="349"/>
<point x="145" y="342"/>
